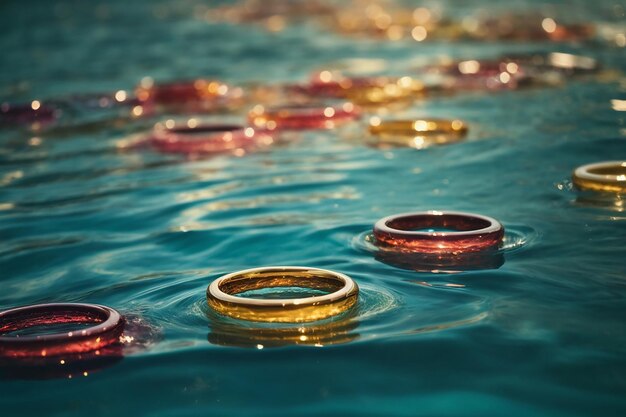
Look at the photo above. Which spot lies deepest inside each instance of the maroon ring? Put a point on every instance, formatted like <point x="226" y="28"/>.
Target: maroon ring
<point x="207" y="138"/>
<point x="302" y="117"/>
<point x="24" y="114"/>
<point x="181" y="92"/>
<point x="471" y="232"/>
<point x="107" y="331"/>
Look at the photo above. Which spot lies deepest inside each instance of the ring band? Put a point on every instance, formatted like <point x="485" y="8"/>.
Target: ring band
<point x="602" y="176"/>
<point x="342" y="294"/>
<point x="192" y="138"/>
<point x="464" y="232"/>
<point x="34" y="113"/>
<point x="302" y="117"/>
<point x="107" y="329"/>
<point x="181" y="92"/>
<point x="419" y="127"/>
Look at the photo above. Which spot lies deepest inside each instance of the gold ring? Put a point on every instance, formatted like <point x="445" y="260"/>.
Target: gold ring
<point x="419" y="133"/>
<point x="602" y="176"/>
<point x="341" y="294"/>
<point x="385" y="91"/>
<point x="417" y="127"/>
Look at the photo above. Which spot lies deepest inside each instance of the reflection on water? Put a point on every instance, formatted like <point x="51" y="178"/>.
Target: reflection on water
<point x="607" y="201"/>
<point x="441" y="263"/>
<point x="242" y="334"/>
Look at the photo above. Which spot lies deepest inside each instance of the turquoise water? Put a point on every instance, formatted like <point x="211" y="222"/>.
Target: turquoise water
<point x="145" y="233"/>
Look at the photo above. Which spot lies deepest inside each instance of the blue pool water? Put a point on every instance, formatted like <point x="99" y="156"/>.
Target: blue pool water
<point x="145" y="233"/>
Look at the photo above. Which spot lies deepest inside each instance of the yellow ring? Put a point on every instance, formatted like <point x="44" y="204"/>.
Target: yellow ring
<point x="419" y="133"/>
<point x="419" y="127"/>
<point x="607" y="176"/>
<point x="387" y="91"/>
<point x="343" y="294"/>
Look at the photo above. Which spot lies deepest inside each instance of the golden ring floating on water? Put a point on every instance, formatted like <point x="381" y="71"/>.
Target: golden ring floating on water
<point x="342" y="294"/>
<point x="417" y="133"/>
<point x="607" y="176"/>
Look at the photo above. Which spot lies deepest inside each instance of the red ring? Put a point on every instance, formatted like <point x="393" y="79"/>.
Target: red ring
<point x="107" y="331"/>
<point x="303" y="117"/>
<point x="207" y="138"/>
<point x="471" y="232"/>
<point x="180" y="92"/>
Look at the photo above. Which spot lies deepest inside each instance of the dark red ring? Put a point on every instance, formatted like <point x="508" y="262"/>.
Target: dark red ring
<point x="471" y="232"/>
<point x="182" y="92"/>
<point x="109" y="327"/>
<point x="23" y="114"/>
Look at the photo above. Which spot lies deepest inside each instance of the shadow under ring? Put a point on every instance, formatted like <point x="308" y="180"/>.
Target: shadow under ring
<point x="342" y="294"/>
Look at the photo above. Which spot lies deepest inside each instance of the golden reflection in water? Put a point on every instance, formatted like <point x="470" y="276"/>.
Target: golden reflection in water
<point x="231" y="333"/>
<point x="609" y="201"/>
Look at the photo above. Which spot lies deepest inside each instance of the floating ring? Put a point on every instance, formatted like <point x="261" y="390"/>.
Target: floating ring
<point x="342" y="294"/>
<point x="35" y="113"/>
<point x="463" y="232"/>
<point x="602" y="176"/>
<point x="107" y="330"/>
<point x="180" y="92"/>
<point x="191" y="96"/>
<point x="418" y="134"/>
<point x="193" y="138"/>
<point x="302" y="117"/>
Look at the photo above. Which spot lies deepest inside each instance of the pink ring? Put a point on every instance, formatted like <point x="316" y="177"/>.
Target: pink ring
<point x="207" y="138"/>
<point x="302" y="117"/>
<point x="471" y="232"/>
<point x="107" y="331"/>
